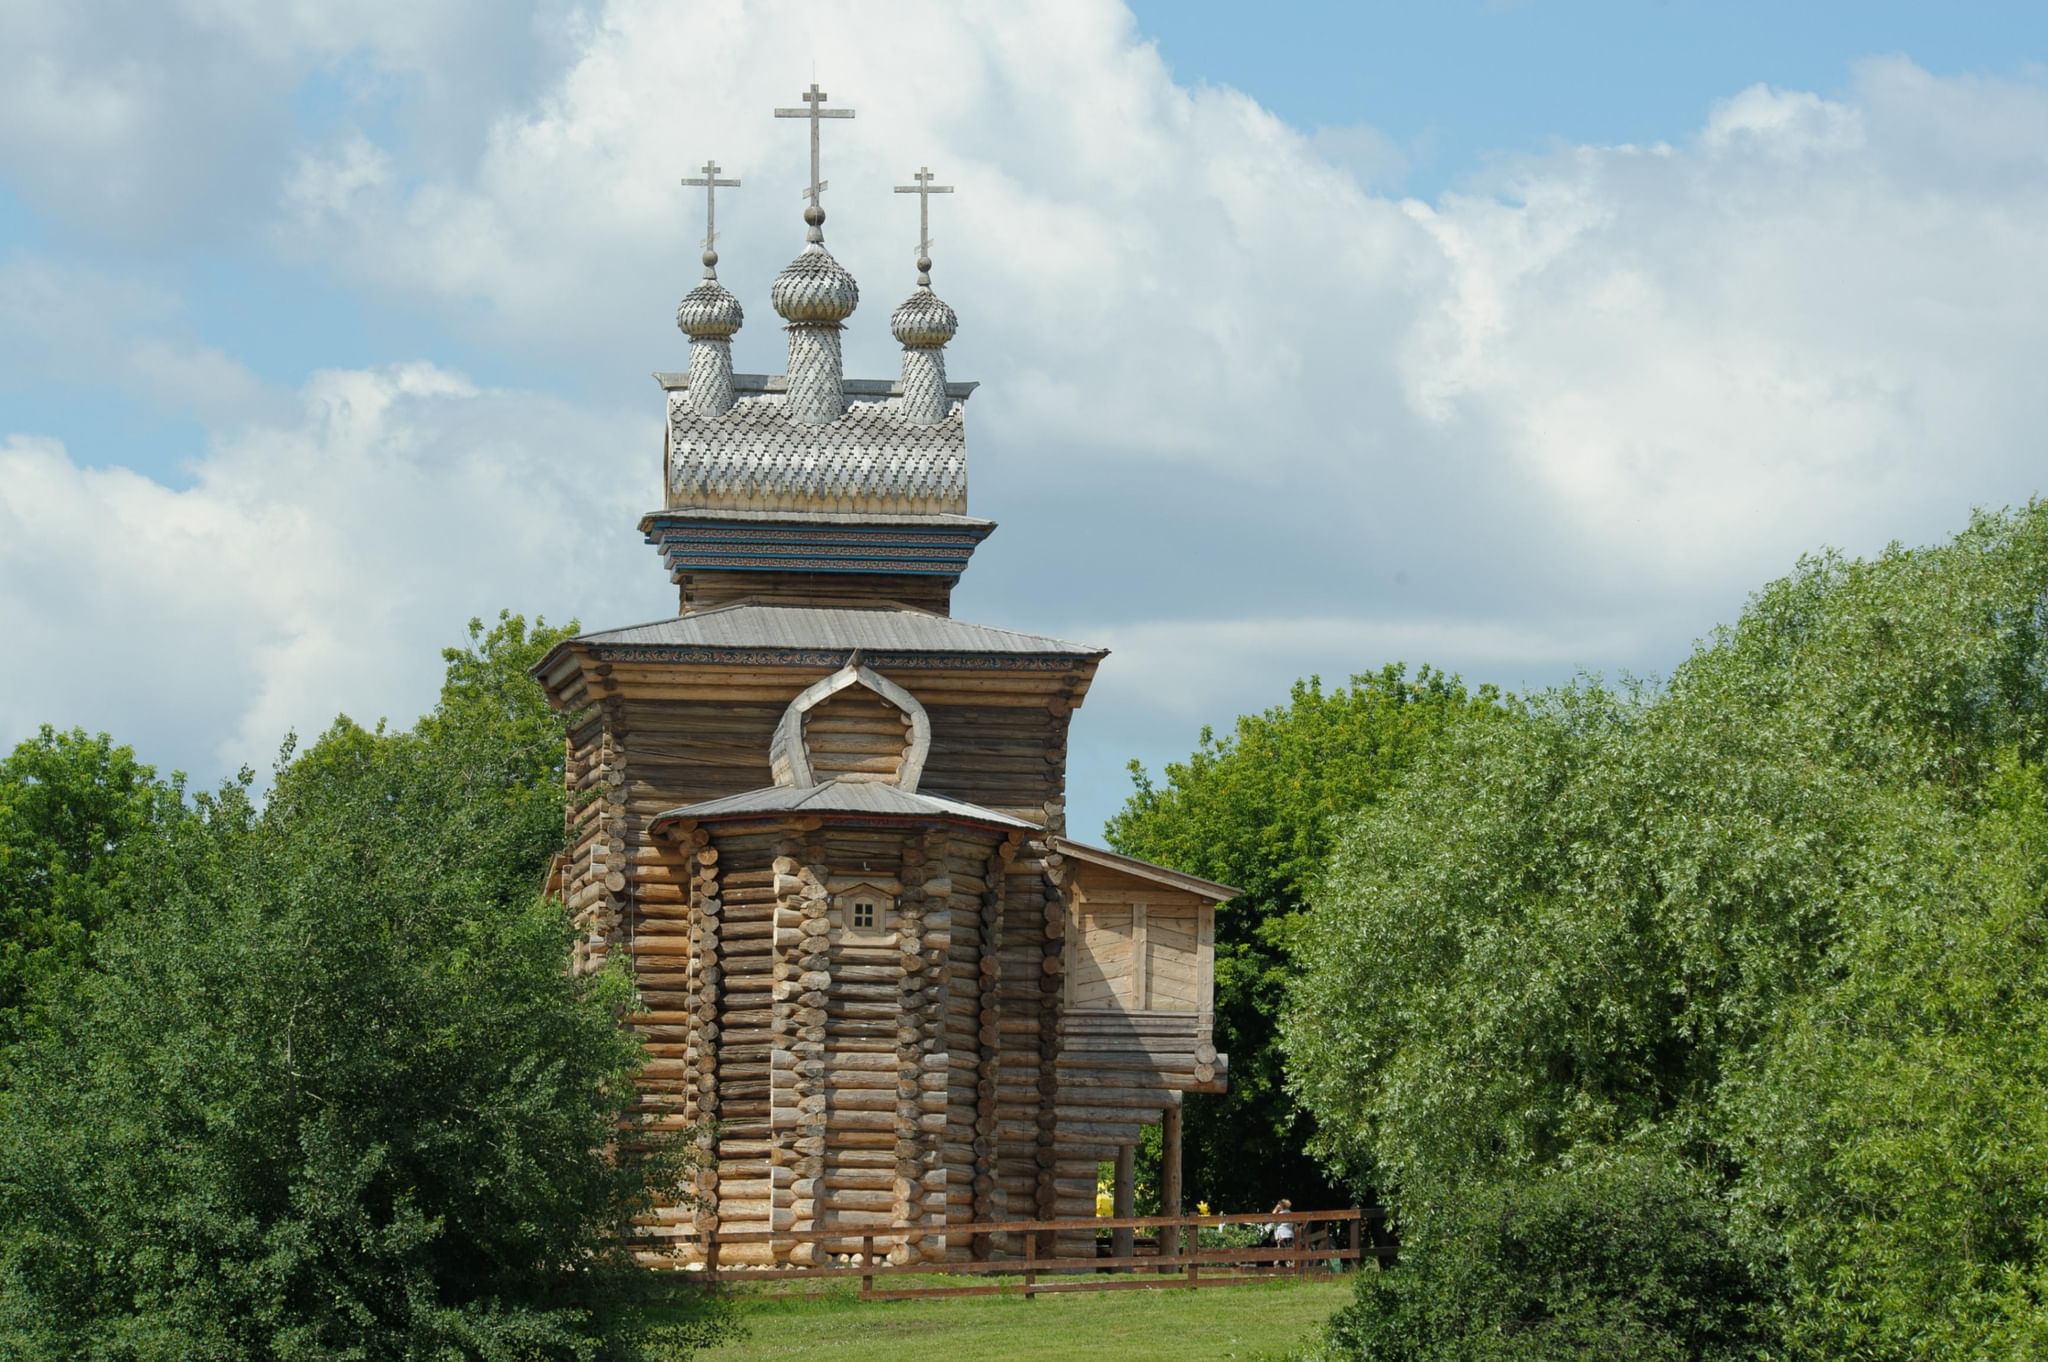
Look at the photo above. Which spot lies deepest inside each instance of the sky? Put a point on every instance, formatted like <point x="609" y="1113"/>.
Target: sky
<point x="1524" y="340"/>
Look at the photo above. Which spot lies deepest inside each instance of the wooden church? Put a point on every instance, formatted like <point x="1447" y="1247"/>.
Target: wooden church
<point x="826" y="821"/>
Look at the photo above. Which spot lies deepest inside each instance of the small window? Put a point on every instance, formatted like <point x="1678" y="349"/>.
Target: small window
<point x="862" y="908"/>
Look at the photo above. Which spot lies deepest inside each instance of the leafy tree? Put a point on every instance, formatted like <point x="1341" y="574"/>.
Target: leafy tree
<point x="1892" y="1133"/>
<point x="335" y="1093"/>
<point x="1255" y="809"/>
<point x="1781" y="917"/>
<point x="71" y="806"/>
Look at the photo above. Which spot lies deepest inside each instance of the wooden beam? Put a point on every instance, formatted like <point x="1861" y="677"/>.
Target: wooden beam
<point x="1122" y="1241"/>
<point x="1170" y="1160"/>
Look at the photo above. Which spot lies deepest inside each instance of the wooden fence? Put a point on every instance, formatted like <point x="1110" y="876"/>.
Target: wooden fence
<point x="1324" y="1240"/>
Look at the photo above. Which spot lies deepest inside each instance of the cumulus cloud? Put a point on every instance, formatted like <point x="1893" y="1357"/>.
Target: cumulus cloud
<point x="162" y="126"/>
<point x="1243" y="417"/>
<point x="312" y="567"/>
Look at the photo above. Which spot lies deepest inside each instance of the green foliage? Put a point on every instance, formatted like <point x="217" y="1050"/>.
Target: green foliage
<point x="1782" y="917"/>
<point x="1629" y="1257"/>
<point x="1892" y="1131"/>
<point x="1255" y="810"/>
<point x="71" y="806"/>
<point x="334" y="1093"/>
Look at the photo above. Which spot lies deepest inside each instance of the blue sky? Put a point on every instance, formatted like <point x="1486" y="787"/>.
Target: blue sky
<point x="1520" y="339"/>
<point x="1454" y="85"/>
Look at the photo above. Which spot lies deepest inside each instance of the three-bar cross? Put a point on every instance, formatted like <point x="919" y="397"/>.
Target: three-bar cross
<point x="814" y="102"/>
<point x="710" y="184"/>
<point x="924" y="189"/>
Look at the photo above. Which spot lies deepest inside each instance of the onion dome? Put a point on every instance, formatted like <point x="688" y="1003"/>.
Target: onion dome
<point x="814" y="289"/>
<point x="709" y="312"/>
<point x="923" y="320"/>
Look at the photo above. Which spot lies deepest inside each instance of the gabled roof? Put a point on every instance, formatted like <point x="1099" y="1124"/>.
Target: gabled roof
<point x="1144" y="870"/>
<point x="850" y="798"/>
<point x="882" y="629"/>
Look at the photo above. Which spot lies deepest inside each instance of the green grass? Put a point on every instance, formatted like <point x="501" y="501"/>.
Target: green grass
<point x="1232" y="1322"/>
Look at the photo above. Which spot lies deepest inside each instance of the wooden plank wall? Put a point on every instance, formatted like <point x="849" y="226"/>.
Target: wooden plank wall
<point x="701" y="589"/>
<point x="1137" y="1031"/>
<point x="1140" y="946"/>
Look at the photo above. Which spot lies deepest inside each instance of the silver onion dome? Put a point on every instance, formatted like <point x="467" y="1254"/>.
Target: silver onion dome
<point x="709" y="312"/>
<point x="923" y="320"/>
<point x="814" y="288"/>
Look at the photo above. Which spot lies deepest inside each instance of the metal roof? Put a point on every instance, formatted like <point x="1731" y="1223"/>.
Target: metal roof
<point x="873" y="457"/>
<point x="864" y="797"/>
<point x="889" y="629"/>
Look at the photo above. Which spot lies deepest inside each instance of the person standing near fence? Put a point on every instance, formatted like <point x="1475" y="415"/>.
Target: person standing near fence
<point x="1280" y="1233"/>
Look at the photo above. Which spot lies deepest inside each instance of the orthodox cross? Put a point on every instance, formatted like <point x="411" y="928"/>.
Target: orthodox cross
<point x="924" y="189"/>
<point x="710" y="184"/>
<point x="814" y="101"/>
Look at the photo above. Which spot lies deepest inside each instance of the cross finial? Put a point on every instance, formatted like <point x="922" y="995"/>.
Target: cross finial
<point x="710" y="184"/>
<point x="924" y="189"/>
<point x="814" y="109"/>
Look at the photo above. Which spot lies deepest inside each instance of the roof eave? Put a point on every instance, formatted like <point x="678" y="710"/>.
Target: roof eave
<point x="839" y="817"/>
<point x="1144" y="870"/>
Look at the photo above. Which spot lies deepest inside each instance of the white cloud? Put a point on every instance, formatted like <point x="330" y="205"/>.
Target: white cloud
<point x="1196" y="670"/>
<point x="1781" y="124"/>
<point x="326" y="186"/>
<point x="312" y="568"/>
<point x="65" y="323"/>
<point x="1691" y="359"/>
<point x="162" y="126"/>
<point x="1568" y="415"/>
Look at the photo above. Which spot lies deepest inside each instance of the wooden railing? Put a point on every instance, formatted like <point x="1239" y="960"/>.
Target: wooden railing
<point x="1180" y="1262"/>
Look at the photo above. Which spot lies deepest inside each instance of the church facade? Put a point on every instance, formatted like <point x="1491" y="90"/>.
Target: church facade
<point x="825" y="820"/>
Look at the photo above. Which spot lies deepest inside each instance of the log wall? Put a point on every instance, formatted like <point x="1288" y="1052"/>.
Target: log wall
<point x="954" y="1065"/>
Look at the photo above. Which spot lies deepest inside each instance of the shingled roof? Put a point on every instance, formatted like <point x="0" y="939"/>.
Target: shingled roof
<point x="873" y="458"/>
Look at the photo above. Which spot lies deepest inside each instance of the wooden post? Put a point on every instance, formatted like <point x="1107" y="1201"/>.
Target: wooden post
<point x="867" y="1266"/>
<point x="1357" y="1236"/>
<point x="1169" y="1178"/>
<point x="1030" y="1260"/>
<point x="1123" y="1242"/>
<point x="711" y="1257"/>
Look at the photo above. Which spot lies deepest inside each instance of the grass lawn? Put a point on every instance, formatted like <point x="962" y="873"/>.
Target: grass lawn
<point x="1234" y="1322"/>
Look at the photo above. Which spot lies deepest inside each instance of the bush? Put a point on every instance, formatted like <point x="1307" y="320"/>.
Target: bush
<point x="1627" y="1258"/>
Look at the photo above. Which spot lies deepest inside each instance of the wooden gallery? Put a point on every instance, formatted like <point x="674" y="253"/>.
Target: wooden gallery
<point x="825" y="819"/>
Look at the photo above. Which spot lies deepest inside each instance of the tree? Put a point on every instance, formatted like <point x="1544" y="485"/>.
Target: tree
<point x="1892" y="1133"/>
<point x="1780" y="918"/>
<point x="71" y="808"/>
<point x="1255" y="809"/>
<point x="335" y="1093"/>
